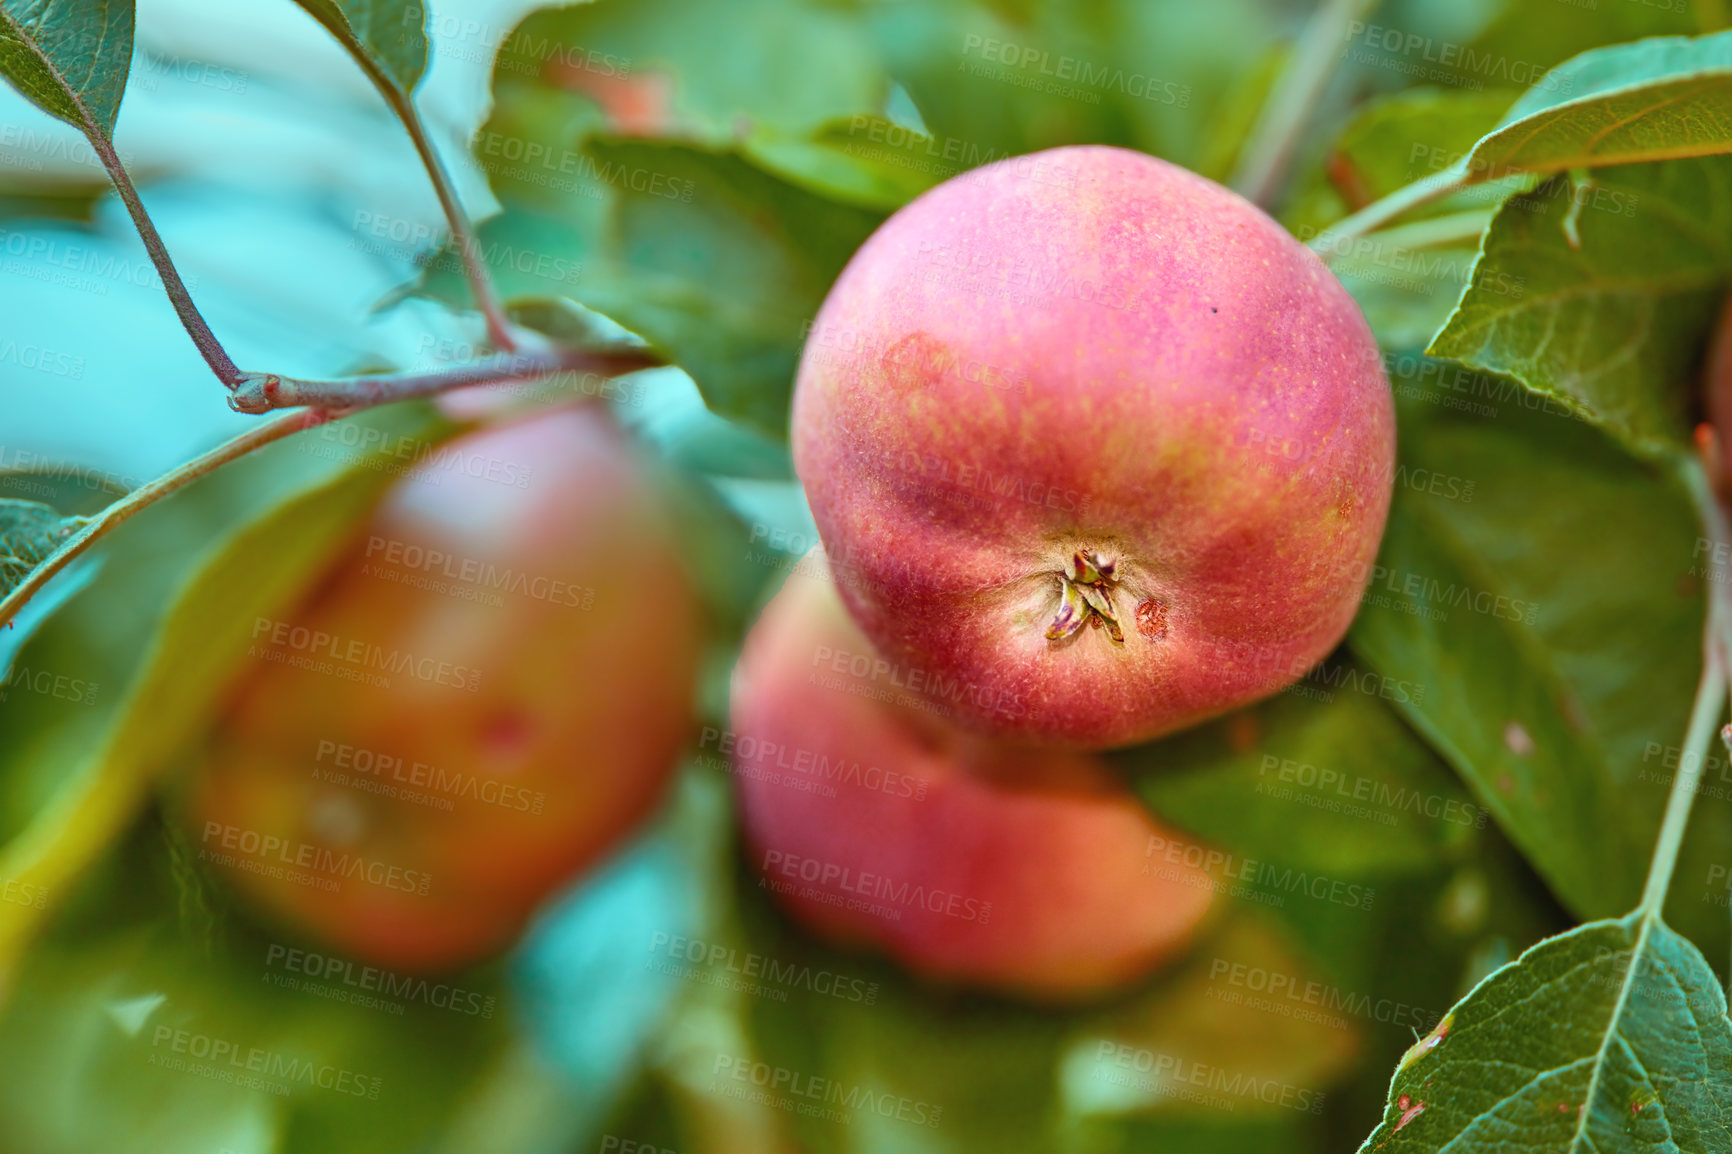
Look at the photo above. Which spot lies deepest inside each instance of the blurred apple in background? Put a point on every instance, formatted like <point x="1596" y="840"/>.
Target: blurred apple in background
<point x="876" y="822"/>
<point x="487" y="695"/>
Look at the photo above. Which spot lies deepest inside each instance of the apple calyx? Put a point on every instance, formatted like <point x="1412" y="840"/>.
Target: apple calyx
<point x="1086" y="598"/>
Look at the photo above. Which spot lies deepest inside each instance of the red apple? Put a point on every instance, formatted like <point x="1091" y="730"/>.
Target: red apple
<point x="1018" y="869"/>
<point x="1095" y="443"/>
<point x="486" y="696"/>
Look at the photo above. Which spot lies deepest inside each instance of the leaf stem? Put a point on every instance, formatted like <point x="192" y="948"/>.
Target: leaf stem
<point x="1287" y="109"/>
<point x="1711" y="699"/>
<point x="1704" y="725"/>
<point x="263" y="392"/>
<point x="149" y="494"/>
<point x="1437" y="230"/>
<point x="499" y="328"/>
<point x="190" y="318"/>
<point x="1333" y="241"/>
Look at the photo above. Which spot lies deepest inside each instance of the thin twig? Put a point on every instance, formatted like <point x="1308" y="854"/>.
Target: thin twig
<point x="1287" y="110"/>
<point x="263" y="392"/>
<point x="190" y="318"/>
<point x="148" y="494"/>
<point x="499" y="328"/>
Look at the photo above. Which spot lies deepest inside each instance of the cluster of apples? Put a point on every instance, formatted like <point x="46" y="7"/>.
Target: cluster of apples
<point x="1096" y="451"/>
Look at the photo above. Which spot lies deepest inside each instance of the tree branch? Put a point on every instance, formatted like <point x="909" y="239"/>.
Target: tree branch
<point x="325" y="401"/>
<point x="499" y="328"/>
<point x="190" y="318"/>
<point x="263" y="392"/>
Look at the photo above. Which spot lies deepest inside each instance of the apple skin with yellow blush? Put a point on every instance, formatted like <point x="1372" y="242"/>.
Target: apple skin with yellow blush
<point x="1095" y="445"/>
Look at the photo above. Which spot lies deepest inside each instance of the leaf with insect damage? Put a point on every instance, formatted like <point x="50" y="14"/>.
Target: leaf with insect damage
<point x="1611" y="1038"/>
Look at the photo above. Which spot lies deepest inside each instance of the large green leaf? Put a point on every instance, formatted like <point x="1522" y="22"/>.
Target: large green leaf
<point x="1324" y="779"/>
<point x="1552" y="662"/>
<point x="387" y="37"/>
<point x="1407" y="292"/>
<point x="1656" y="99"/>
<point x="104" y="1036"/>
<point x="714" y="261"/>
<point x="29" y="532"/>
<point x="1145" y="1057"/>
<point x="717" y="249"/>
<point x="727" y="280"/>
<point x="953" y="1074"/>
<point x="1158" y="75"/>
<point x="1600" y="293"/>
<point x="678" y="69"/>
<point x="1612" y="1038"/>
<point x="869" y="161"/>
<point x="69" y="57"/>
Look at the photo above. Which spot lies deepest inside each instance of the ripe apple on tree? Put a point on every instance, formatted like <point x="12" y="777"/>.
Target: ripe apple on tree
<point x="536" y="641"/>
<point x="1099" y="447"/>
<point x="877" y="823"/>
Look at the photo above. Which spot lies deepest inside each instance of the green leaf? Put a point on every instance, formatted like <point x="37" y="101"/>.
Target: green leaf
<point x="713" y="261"/>
<point x="1161" y="76"/>
<point x="1145" y="1057"/>
<point x="388" y="38"/>
<point x="1658" y="99"/>
<point x="727" y="280"/>
<point x="1407" y="294"/>
<point x="1322" y="778"/>
<point x="97" y="1038"/>
<point x="70" y="58"/>
<point x="137" y="660"/>
<point x="1600" y="292"/>
<point x="684" y="68"/>
<point x="952" y="1073"/>
<point x="1531" y="38"/>
<point x="1389" y="144"/>
<point x="868" y="161"/>
<point x="29" y="532"/>
<point x="1552" y="664"/>
<point x="1611" y="1038"/>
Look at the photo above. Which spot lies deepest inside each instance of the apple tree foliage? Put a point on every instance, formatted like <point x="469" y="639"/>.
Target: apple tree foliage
<point x="1455" y="850"/>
